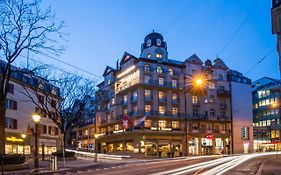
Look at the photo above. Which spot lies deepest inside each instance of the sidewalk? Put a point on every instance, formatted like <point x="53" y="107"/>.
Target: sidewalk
<point x="44" y="166"/>
<point x="270" y="166"/>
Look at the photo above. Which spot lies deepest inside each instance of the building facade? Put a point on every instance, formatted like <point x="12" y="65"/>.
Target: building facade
<point x="19" y="111"/>
<point x="155" y="106"/>
<point x="266" y="97"/>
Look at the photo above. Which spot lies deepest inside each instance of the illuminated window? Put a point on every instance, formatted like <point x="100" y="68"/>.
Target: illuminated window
<point x="159" y="70"/>
<point x="147" y="93"/>
<point x="174" y="83"/>
<point x="174" y="97"/>
<point x="148" y="55"/>
<point x="158" y="55"/>
<point x="148" y="43"/>
<point x="175" y="124"/>
<point x="125" y="111"/>
<point x="174" y="111"/>
<point x="113" y="101"/>
<point x="147" y="108"/>
<point x="161" y="81"/>
<point x="171" y="72"/>
<point x="268" y="122"/>
<point x="194" y="99"/>
<point x="162" y="110"/>
<point x="108" y="81"/>
<point x="212" y="99"/>
<point x="161" y="95"/>
<point x="116" y="127"/>
<point x="211" y="86"/>
<point x="125" y="99"/>
<point x="158" y="42"/>
<point x="162" y="123"/>
<point x="147" y="123"/>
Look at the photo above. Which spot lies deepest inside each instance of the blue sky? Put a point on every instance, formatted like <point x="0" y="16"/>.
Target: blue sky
<point x="102" y="30"/>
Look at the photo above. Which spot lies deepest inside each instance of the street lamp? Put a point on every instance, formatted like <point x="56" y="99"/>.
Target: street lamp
<point x="36" y="118"/>
<point x="23" y="136"/>
<point x="96" y="147"/>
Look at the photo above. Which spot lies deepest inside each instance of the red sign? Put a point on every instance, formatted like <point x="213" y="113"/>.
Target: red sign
<point x="209" y="136"/>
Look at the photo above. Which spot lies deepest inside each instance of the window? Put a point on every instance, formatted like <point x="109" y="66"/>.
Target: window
<point x="211" y="86"/>
<point x="147" y="108"/>
<point x="146" y="79"/>
<point x="135" y="109"/>
<point x="162" y="123"/>
<point x="10" y="88"/>
<point x="53" y="103"/>
<point x="212" y="99"/>
<point x="170" y="71"/>
<point x="162" y="110"/>
<point x="174" y="111"/>
<point x="147" y="123"/>
<point x="11" y="104"/>
<point x="159" y="70"/>
<point x="41" y="99"/>
<point x="221" y="88"/>
<point x="43" y="129"/>
<point x="174" y="97"/>
<point x="147" y="93"/>
<point x="148" y="43"/>
<point x="212" y="112"/>
<point x="116" y="127"/>
<point x="148" y="55"/>
<point x="135" y="96"/>
<point x="125" y="111"/>
<point x="194" y="99"/>
<point x="175" y="124"/>
<point x="161" y="96"/>
<point x="125" y="99"/>
<point x="11" y="123"/>
<point x="113" y="101"/>
<point x="158" y="42"/>
<point x="158" y="55"/>
<point x="108" y="81"/>
<point x="195" y="112"/>
<point x="146" y="68"/>
<point x="174" y="83"/>
<point x="161" y="81"/>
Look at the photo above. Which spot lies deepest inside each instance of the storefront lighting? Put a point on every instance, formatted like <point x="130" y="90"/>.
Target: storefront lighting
<point x="14" y="139"/>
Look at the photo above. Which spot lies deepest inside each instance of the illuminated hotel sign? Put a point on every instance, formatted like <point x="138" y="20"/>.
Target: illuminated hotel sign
<point x="14" y="139"/>
<point x="127" y="80"/>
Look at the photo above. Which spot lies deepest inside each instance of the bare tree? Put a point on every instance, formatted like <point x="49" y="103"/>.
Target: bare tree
<point x="24" y="26"/>
<point x="58" y="106"/>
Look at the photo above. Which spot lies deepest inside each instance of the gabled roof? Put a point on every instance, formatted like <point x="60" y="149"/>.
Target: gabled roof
<point x="126" y="57"/>
<point x="194" y="59"/>
<point x="107" y="70"/>
<point x="220" y="64"/>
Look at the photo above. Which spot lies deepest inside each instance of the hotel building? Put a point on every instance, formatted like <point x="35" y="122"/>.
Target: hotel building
<point x="155" y="106"/>
<point x="266" y="95"/>
<point x="19" y="111"/>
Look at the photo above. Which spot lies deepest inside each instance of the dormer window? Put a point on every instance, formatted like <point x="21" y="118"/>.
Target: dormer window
<point x="159" y="70"/>
<point x="158" y="42"/>
<point x="148" y="43"/>
<point x="148" y="55"/>
<point x="158" y="55"/>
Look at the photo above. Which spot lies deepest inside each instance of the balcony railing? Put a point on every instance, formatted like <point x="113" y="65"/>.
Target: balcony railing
<point x="176" y="101"/>
<point x="196" y="104"/>
<point x="148" y="98"/>
<point x="223" y="93"/>
<point x="197" y="116"/>
<point x="162" y="100"/>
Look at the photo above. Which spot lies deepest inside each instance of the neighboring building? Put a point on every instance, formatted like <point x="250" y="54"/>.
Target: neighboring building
<point x="20" y="109"/>
<point x="152" y="105"/>
<point x="82" y="135"/>
<point x="266" y="95"/>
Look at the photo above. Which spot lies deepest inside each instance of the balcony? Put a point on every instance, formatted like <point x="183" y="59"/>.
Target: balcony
<point x="196" y="104"/>
<point x="223" y="93"/>
<point x="197" y="116"/>
<point x="148" y="98"/>
<point x="162" y="100"/>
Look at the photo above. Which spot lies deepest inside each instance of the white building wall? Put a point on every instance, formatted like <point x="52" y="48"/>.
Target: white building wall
<point x="242" y="116"/>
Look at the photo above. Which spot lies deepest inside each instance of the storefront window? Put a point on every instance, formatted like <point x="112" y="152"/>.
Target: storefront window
<point x="175" y="124"/>
<point x="162" y="110"/>
<point x="147" y="123"/>
<point x="162" y="123"/>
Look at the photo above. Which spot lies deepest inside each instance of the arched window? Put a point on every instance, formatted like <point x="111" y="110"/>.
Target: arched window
<point x="159" y="70"/>
<point x="158" y="55"/>
<point x="146" y="67"/>
<point x="158" y="42"/>
<point x="148" y="55"/>
<point x="148" y="42"/>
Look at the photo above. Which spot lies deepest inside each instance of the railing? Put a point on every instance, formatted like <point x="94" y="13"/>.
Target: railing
<point x="222" y="92"/>
<point x="197" y="104"/>
<point x="197" y="116"/>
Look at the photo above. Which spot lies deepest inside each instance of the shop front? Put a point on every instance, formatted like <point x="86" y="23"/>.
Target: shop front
<point x="15" y="144"/>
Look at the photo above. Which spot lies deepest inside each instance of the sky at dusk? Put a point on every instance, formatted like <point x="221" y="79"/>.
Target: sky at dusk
<point x="102" y="30"/>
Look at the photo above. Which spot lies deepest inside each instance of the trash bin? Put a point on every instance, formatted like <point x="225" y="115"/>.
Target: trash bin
<point x="53" y="163"/>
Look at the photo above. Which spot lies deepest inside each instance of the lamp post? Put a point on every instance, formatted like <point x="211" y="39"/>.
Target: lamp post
<point x="96" y="147"/>
<point x="23" y="136"/>
<point x="36" y="118"/>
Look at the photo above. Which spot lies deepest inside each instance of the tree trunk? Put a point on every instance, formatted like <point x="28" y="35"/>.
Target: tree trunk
<point x="2" y="127"/>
